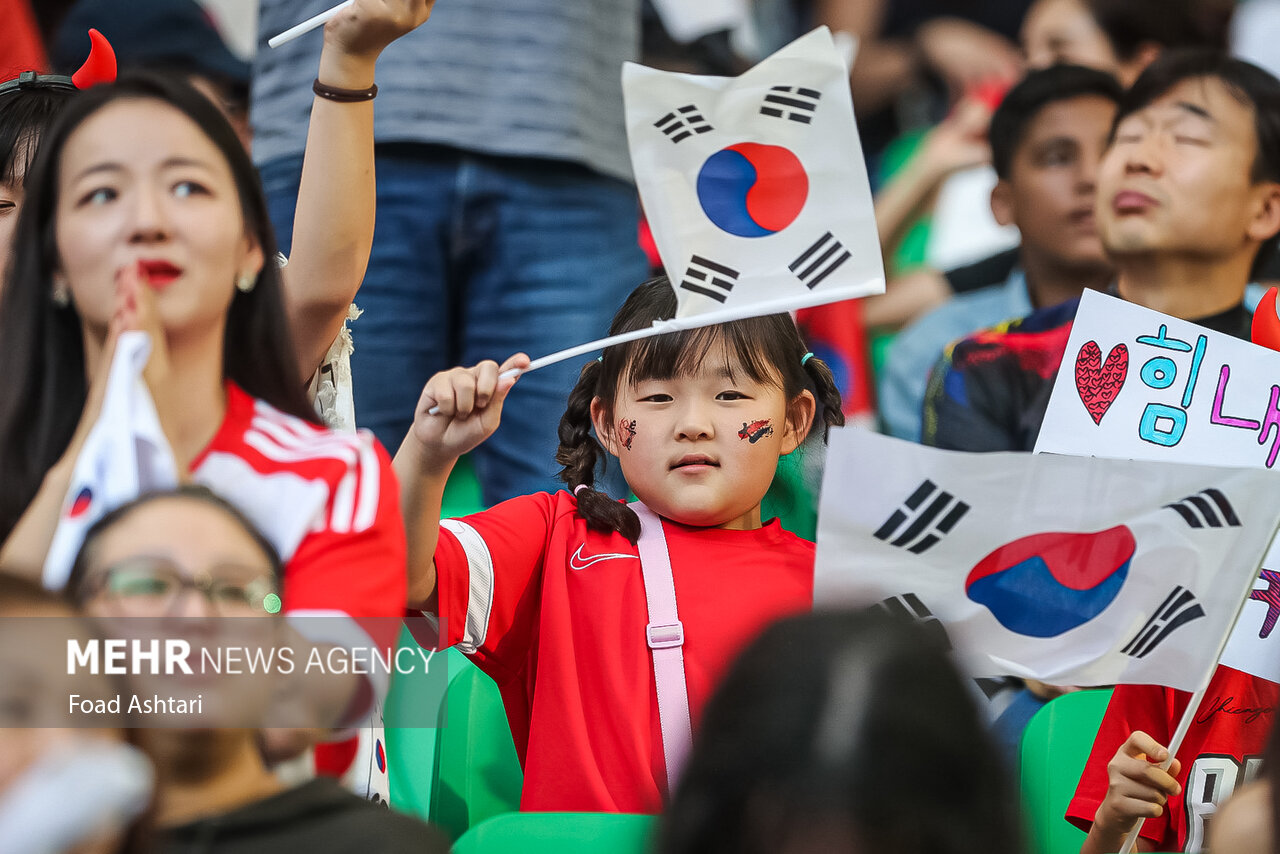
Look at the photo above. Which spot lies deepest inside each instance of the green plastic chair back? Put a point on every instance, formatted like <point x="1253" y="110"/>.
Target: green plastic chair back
<point x="1054" y="749"/>
<point x="416" y="704"/>
<point x="412" y="709"/>
<point x="462" y="493"/>
<point x="477" y="773"/>
<point x="559" y="833"/>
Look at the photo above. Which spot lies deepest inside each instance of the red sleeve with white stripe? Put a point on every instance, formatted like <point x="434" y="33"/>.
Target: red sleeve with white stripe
<point x="354" y="560"/>
<point x="489" y="569"/>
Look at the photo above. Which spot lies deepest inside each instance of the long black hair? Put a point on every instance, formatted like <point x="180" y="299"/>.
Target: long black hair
<point x="42" y="343"/>
<point x="768" y="349"/>
<point x="28" y="104"/>
<point x="842" y="731"/>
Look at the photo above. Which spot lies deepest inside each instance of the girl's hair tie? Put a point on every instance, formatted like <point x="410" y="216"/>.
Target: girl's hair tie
<point x="579" y="488"/>
<point x="806" y="357"/>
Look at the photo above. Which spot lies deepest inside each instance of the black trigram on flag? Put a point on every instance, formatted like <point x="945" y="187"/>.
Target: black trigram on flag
<point x="708" y="278"/>
<point x="791" y="102"/>
<point x="909" y="607"/>
<point x="819" y="260"/>
<point x="683" y="122"/>
<point x="1179" y="608"/>
<point x="1206" y="509"/>
<point x="918" y="530"/>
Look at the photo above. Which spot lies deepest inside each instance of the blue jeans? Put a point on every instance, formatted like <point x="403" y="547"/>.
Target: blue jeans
<point x="478" y="257"/>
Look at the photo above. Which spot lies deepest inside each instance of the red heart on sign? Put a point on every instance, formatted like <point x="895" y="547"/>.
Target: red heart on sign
<point x="1099" y="384"/>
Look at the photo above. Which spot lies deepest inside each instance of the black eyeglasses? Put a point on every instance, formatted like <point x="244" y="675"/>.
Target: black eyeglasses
<point x="151" y="586"/>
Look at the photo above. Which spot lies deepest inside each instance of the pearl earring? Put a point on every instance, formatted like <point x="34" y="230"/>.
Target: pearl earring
<point x="245" y="282"/>
<point x="61" y="291"/>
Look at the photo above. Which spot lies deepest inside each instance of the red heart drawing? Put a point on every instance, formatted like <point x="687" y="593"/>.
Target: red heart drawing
<point x="1099" y="384"/>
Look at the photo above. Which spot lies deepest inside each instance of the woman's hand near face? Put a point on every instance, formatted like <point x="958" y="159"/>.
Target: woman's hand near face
<point x="29" y="542"/>
<point x="136" y="311"/>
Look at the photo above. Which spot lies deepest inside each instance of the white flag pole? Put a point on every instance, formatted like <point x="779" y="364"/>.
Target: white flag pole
<point x="676" y="324"/>
<point x="1193" y="705"/>
<point x="309" y="24"/>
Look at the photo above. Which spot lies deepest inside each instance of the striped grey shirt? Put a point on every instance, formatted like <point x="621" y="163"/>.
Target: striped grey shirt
<point x="525" y="78"/>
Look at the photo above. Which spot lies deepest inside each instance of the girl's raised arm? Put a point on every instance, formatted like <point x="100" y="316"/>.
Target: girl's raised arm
<point x="469" y="402"/>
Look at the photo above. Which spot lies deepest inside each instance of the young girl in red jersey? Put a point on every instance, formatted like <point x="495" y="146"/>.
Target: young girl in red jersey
<point x="549" y="594"/>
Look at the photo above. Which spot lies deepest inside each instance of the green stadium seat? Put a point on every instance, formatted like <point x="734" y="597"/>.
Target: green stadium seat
<point x="559" y="833"/>
<point x="462" y="768"/>
<point x="462" y="492"/>
<point x="1054" y="749"/>
<point x="412" y="709"/>
<point x="477" y="773"/>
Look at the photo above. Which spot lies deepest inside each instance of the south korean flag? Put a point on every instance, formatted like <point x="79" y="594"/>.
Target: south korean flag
<point x="754" y="186"/>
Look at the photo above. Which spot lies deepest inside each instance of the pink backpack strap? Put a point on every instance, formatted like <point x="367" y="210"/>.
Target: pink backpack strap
<point x="665" y="636"/>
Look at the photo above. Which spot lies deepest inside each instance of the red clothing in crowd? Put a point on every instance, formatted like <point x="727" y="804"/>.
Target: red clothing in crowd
<point x="328" y="501"/>
<point x="1222" y="750"/>
<point x="556" y="614"/>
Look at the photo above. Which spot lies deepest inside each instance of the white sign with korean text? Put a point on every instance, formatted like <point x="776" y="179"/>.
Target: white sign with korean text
<point x="1138" y="384"/>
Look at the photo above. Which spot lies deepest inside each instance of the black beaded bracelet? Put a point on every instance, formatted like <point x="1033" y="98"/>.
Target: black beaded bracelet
<point x="344" y="96"/>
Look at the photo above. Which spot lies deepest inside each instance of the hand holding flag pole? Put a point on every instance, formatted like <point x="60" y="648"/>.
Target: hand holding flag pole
<point x="677" y="324"/>
<point x="1193" y="706"/>
<point x="309" y="24"/>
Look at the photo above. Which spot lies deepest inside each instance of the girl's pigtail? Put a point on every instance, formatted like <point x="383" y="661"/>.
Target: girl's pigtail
<point x="578" y="454"/>
<point x="830" y="405"/>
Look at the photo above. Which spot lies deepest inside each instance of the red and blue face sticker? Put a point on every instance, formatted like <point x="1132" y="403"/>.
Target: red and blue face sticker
<point x="754" y="431"/>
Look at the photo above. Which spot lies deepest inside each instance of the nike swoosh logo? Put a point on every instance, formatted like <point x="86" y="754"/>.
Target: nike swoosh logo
<point x="577" y="561"/>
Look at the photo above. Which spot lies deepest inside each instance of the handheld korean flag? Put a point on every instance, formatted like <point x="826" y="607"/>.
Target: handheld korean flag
<point x="754" y="186"/>
<point x="125" y="454"/>
<point x="1071" y="571"/>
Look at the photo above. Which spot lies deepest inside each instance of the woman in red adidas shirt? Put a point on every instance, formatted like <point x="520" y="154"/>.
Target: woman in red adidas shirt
<point x="546" y="593"/>
<point x="144" y="212"/>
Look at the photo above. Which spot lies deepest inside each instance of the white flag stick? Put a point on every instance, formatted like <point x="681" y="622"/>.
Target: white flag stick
<point x="1193" y="705"/>
<point x="309" y="24"/>
<point x="711" y="318"/>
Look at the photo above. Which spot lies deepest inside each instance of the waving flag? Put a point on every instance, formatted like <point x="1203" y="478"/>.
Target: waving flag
<point x="754" y="186"/>
<point x="1068" y="570"/>
<point x="1222" y="410"/>
<point x="125" y="454"/>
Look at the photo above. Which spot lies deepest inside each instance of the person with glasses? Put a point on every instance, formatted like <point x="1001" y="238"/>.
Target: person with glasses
<point x="183" y="560"/>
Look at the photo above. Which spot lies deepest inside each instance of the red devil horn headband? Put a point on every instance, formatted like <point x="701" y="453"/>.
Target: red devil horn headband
<point x="100" y="67"/>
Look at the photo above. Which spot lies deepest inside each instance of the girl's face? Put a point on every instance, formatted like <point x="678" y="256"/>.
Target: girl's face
<point x="702" y="449"/>
<point x="140" y="184"/>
